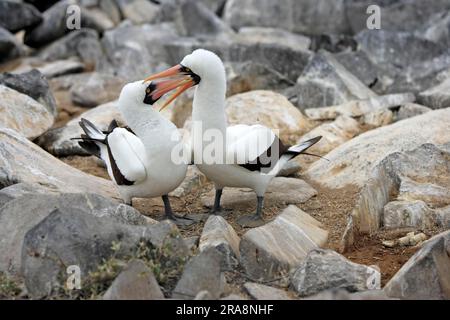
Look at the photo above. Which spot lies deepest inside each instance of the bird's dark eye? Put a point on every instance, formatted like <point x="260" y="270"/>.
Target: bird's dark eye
<point x="187" y="70"/>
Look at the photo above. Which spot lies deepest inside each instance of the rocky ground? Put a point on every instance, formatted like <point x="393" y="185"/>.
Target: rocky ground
<point x="368" y="222"/>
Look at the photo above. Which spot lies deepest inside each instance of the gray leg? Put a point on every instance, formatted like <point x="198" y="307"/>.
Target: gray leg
<point x="255" y="220"/>
<point x="179" y="221"/>
<point x="217" y="208"/>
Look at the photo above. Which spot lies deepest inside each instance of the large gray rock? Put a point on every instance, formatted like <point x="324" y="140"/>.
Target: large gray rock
<point x="400" y="214"/>
<point x="61" y="67"/>
<point x="58" y="141"/>
<point x="73" y="237"/>
<point x="17" y="190"/>
<point x="134" y="52"/>
<point x="15" y="16"/>
<point x="25" y="211"/>
<point x="278" y="246"/>
<point x="23" y="114"/>
<point x="327" y="269"/>
<point x="23" y="161"/>
<point x="326" y="82"/>
<point x="353" y="162"/>
<point x="33" y="84"/>
<point x="83" y="43"/>
<point x="273" y="36"/>
<point x="262" y="292"/>
<point x="201" y="272"/>
<point x="139" y="11"/>
<point x="436" y="97"/>
<point x="342" y="294"/>
<point x="135" y="282"/>
<point x="218" y="234"/>
<point x="360" y="66"/>
<point x="195" y="19"/>
<point x="9" y="46"/>
<point x="310" y="16"/>
<point x="425" y="275"/>
<point x="281" y="190"/>
<point x="410" y="110"/>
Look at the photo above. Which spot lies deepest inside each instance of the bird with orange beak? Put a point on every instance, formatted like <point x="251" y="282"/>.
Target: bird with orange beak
<point x="249" y="155"/>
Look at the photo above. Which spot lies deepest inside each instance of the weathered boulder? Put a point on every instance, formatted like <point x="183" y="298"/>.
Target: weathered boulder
<point x="23" y="161"/>
<point x="327" y="269"/>
<point x="433" y="188"/>
<point x="310" y="17"/>
<point x="24" y="212"/>
<point x="281" y="190"/>
<point x="61" y="67"/>
<point x="425" y="275"/>
<point x="219" y="234"/>
<point x="410" y="110"/>
<point x="262" y="292"/>
<point x="361" y="67"/>
<point x="23" y="114"/>
<point x="273" y="36"/>
<point x="74" y="237"/>
<point x="326" y="82"/>
<point x="9" y="46"/>
<point x="275" y="248"/>
<point x="334" y="133"/>
<point x="436" y="97"/>
<point x="353" y="162"/>
<point x="15" y="16"/>
<point x="139" y="11"/>
<point x="17" y="190"/>
<point x="400" y="214"/>
<point x="33" y="84"/>
<point x="269" y="109"/>
<point x="342" y="294"/>
<point x="135" y="282"/>
<point x="201" y="272"/>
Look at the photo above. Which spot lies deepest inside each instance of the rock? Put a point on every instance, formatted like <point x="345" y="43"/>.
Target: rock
<point x="333" y="43"/>
<point x="96" y="90"/>
<point x="361" y="66"/>
<point x="282" y="59"/>
<point x="359" y="108"/>
<point x="233" y="297"/>
<point x="425" y="275"/>
<point x="336" y="84"/>
<point x="262" y="292"/>
<point x="195" y="19"/>
<point x="201" y="272"/>
<point x="193" y="180"/>
<point x="436" y="29"/>
<point x="436" y="97"/>
<point x="26" y="210"/>
<point x="310" y="17"/>
<point x="278" y="246"/>
<point x="289" y="169"/>
<point x="248" y="76"/>
<point x="139" y="11"/>
<point x="397" y="51"/>
<point x="273" y="36"/>
<point x="410" y="239"/>
<point x="342" y="294"/>
<point x="327" y="269"/>
<point x="111" y="8"/>
<point x="58" y="141"/>
<point x="23" y="161"/>
<point x="377" y="118"/>
<point x="268" y="109"/>
<point x="410" y="110"/>
<point x="203" y="295"/>
<point x="60" y="67"/>
<point x="353" y="162"/>
<point x="218" y="234"/>
<point x="430" y="192"/>
<point x="33" y="84"/>
<point x="52" y="26"/>
<point x="134" y="52"/>
<point x="17" y="190"/>
<point x="83" y="43"/>
<point x="442" y="217"/>
<point x="422" y="171"/>
<point x="23" y="114"/>
<point x="333" y="134"/>
<point x="135" y="282"/>
<point x="399" y="214"/>
<point x="96" y="19"/>
<point x="192" y="242"/>
<point x="74" y="237"/>
<point x="281" y="190"/>
<point x="9" y="46"/>
<point x="15" y="16"/>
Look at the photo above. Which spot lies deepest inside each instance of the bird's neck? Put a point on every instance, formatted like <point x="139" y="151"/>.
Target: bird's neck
<point x="208" y="108"/>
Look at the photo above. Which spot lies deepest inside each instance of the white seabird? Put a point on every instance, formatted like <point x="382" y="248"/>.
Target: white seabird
<point x="247" y="143"/>
<point x="138" y="157"/>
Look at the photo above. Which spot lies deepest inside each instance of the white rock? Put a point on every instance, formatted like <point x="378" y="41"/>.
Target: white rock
<point x="23" y="114"/>
<point x="399" y="214"/>
<point x="273" y="36"/>
<point x="262" y="292"/>
<point x="275" y="248"/>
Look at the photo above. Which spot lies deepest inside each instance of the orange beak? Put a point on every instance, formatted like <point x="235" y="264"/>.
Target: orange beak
<point x="173" y="78"/>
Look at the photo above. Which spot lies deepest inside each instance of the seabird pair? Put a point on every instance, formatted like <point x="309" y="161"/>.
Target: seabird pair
<point x="139" y="158"/>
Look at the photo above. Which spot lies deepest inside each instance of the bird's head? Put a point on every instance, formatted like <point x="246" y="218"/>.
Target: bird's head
<point x="200" y="65"/>
<point x="137" y="92"/>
